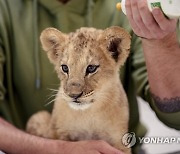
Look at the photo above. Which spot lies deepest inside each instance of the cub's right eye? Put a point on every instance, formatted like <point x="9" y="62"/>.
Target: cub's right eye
<point x="65" y="68"/>
<point x="91" y="69"/>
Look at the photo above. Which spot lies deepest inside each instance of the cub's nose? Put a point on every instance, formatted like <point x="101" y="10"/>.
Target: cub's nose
<point x="76" y="96"/>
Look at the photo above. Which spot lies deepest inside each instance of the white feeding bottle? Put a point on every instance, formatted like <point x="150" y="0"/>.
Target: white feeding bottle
<point x="171" y="8"/>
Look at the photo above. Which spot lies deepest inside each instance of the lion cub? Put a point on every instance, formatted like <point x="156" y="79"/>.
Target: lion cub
<point x="91" y="102"/>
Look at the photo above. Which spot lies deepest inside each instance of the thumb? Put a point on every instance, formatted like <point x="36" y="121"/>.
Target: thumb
<point x="105" y="148"/>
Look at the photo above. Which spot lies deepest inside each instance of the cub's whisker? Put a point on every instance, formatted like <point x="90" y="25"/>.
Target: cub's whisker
<point x="54" y="90"/>
<point x="51" y="96"/>
<point x="50" y="102"/>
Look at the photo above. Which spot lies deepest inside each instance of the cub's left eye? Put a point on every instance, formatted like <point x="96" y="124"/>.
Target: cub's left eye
<point x="91" y="69"/>
<point x="65" y="68"/>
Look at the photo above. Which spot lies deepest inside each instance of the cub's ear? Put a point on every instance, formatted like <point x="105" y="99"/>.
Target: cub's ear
<point x="115" y="41"/>
<point x="53" y="41"/>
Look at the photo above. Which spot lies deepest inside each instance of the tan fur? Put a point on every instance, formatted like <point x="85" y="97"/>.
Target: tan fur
<point x="107" y="115"/>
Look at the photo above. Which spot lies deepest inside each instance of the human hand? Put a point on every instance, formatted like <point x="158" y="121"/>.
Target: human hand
<point x="146" y="24"/>
<point x="89" y="147"/>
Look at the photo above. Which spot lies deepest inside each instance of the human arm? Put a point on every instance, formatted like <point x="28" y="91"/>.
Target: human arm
<point x="13" y="140"/>
<point x="161" y="51"/>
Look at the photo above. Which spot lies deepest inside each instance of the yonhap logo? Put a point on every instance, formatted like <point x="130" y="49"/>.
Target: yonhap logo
<point x="129" y="139"/>
<point x="159" y="140"/>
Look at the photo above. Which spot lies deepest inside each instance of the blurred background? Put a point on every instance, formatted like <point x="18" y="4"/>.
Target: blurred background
<point x="157" y="128"/>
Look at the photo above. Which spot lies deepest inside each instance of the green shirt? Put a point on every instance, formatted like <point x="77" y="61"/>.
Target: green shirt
<point x="26" y="75"/>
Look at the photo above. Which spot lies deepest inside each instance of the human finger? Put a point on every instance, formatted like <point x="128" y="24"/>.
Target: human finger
<point x="105" y="148"/>
<point x="164" y="23"/>
<point x="130" y="18"/>
<point x="138" y="18"/>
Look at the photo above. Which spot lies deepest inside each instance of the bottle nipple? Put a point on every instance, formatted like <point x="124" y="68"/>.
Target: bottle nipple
<point x="118" y="6"/>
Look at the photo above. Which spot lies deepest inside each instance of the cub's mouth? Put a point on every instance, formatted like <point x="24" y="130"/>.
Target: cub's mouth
<point x="83" y="102"/>
<point x="83" y="98"/>
<point x="77" y="102"/>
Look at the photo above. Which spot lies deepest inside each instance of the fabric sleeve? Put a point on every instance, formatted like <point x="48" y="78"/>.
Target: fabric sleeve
<point x="4" y="103"/>
<point x="142" y="87"/>
<point x="2" y="60"/>
<point x="4" y="110"/>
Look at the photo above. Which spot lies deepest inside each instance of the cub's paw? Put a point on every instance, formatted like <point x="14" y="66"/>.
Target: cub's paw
<point x="38" y="123"/>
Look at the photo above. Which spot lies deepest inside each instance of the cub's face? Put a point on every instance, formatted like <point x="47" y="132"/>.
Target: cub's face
<point x="86" y="60"/>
